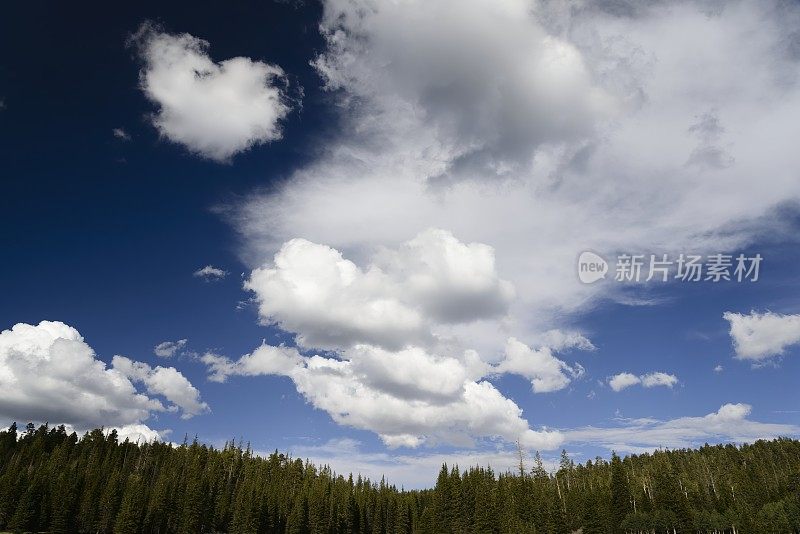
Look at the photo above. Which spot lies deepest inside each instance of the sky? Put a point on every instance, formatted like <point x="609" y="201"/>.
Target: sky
<point x="384" y="235"/>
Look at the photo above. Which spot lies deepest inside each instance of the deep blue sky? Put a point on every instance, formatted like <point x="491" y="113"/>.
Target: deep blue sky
<point x="104" y="235"/>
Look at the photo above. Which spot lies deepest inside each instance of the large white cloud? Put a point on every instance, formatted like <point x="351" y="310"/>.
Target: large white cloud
<point x="411" y="396"/>
<point x="540" y="129"/>
<point x="632" y="184"/>
<point x="758" y="336"/>
<point x="49" y="373"/>
<point x="395" y="301"/>
<point x="483" y="79"/>
<point x="214" y="109"/>
<point x="401" y="368"/>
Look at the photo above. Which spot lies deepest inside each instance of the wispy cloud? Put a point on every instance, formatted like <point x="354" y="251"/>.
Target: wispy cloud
<point x="167" y="349"/>
<point x="634" y="436"/>
<point x="121" y="134"/>
<point x="728" y="424"/>
<point x="210" y="273"/>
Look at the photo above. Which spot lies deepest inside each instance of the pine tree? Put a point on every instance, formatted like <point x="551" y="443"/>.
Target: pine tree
<point x="128" y="518"/>
<point x="109" y="504"/>
<point x="61" y="520"/>
<point x="773" y="519"/>
<point x="26" y="515"/>
<point x="594" y="521"/>
<point x="620" y="495"/>
<point x="297" y="522"/>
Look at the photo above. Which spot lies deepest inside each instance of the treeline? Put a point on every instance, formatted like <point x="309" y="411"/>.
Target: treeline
<point x="54" y="481"/>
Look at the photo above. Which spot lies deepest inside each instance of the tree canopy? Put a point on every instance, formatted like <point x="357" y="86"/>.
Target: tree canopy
<point x="55" y="481"/>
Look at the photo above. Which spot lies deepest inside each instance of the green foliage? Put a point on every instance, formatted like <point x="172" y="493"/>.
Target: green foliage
<point x="620" y="495"/>
<point x="52" y="481"/>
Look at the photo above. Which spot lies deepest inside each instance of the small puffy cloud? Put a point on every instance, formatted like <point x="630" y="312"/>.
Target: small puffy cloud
<point x="214" y="109"/>
<point x="210" y="273"/>
<point x="165" y="381"/>
<point x="167" y="349"/>
<point x="121" y="134"/>
<point x="759" y="336"/>
<point x="621" y="381"/>
<point x="652" y="380"/>
<point x="265" y="360"/>
<point x="49" y="373"/>
<point x="718" y="369"/>
<point x="545" y="371"/>
<point x="397" y="300"/>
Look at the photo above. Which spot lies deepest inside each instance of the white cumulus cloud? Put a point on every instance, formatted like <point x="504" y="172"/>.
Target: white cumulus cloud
<point x="491" y="82"/>
<point x="49" y="373"/>
<point x="758" y="336"/>
<point x="409" y="158"/>
<point x="656" y="379"/>
<point x="621" y="381"/>
<point x="545" y="371"/>
<point x="408" y="398"/>
<point x="165" y="381"/>
<point x="401" y="367"/>
<point x="412" y="396"/>
<point x="538" y="130"/>
<point x="139" y="433"/>
<point x="214" y="109"/>
<point x="396" y="300"/>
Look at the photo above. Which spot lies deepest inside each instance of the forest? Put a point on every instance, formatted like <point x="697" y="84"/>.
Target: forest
<point x="56" y="482"/>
